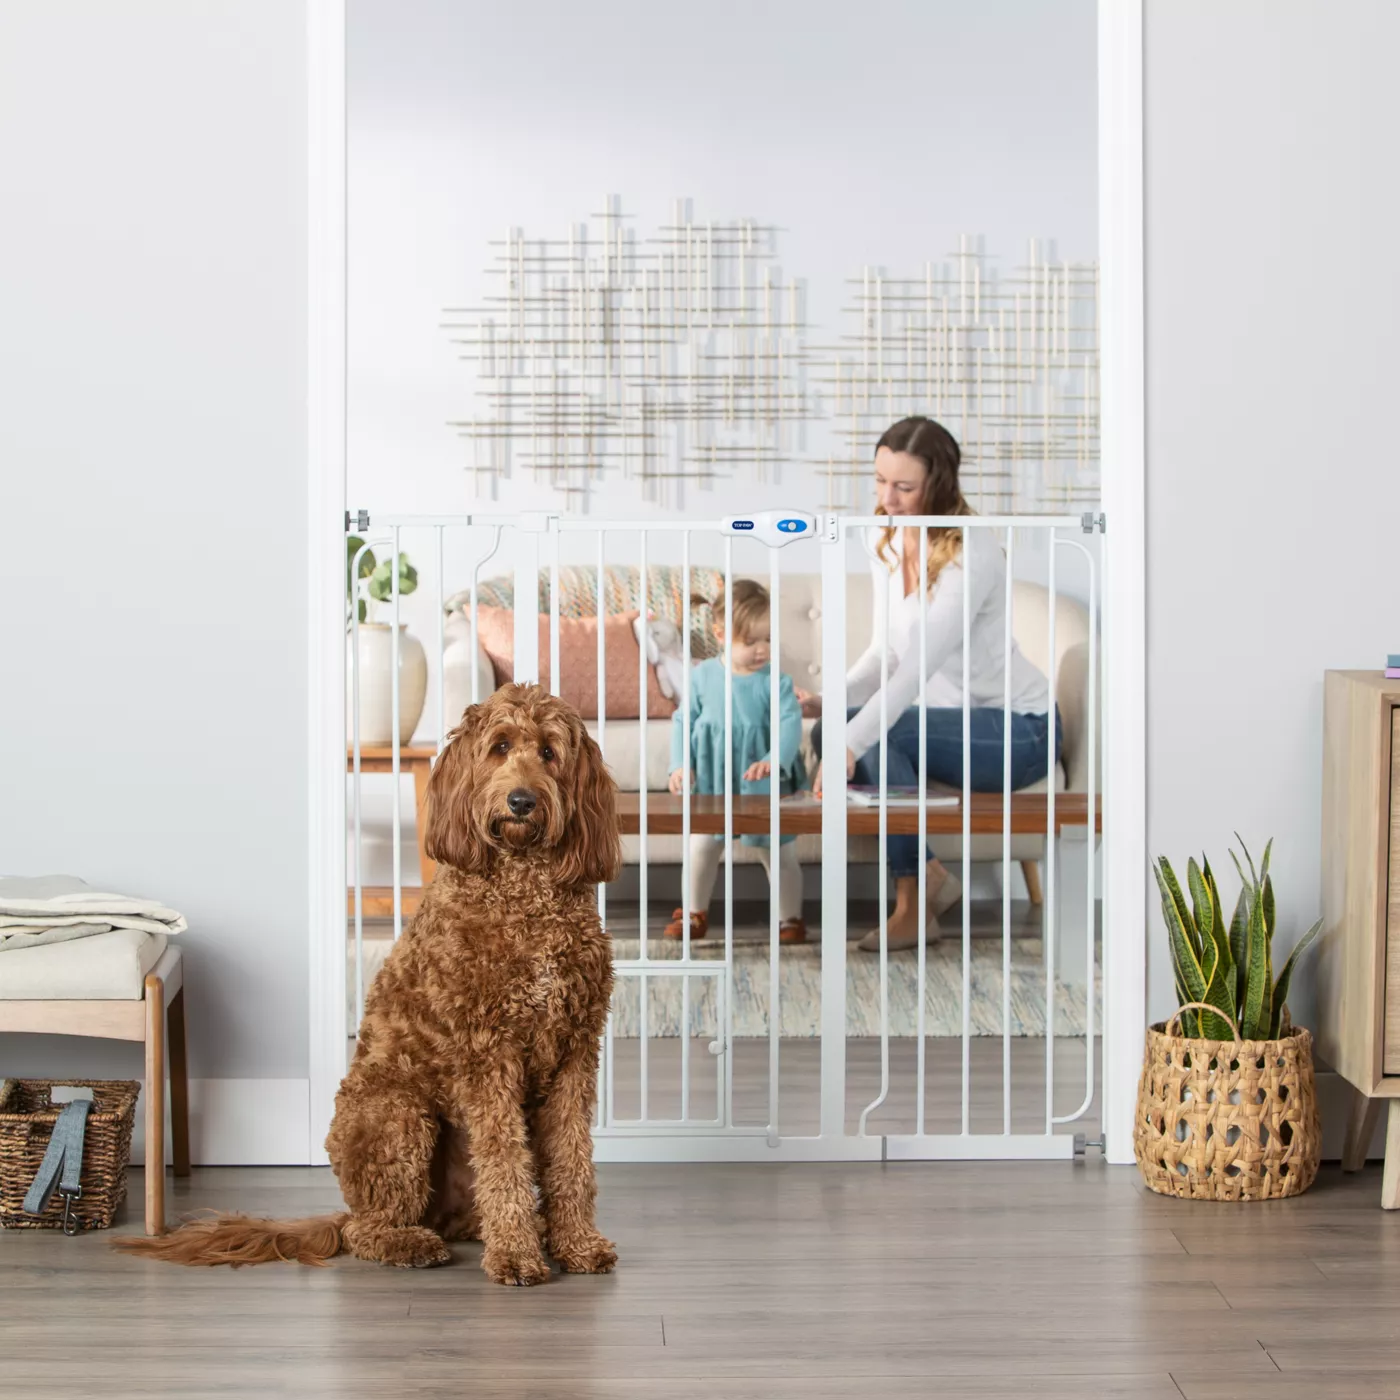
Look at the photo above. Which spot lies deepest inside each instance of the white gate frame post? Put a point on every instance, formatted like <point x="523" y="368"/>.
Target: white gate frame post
<point x="833" y="869"/>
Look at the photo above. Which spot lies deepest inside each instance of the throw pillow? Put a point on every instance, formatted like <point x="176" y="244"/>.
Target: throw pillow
<point x="578" y="661"/>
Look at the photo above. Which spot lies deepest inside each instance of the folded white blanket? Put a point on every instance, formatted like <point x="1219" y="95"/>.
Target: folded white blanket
<point x="56" y="908"/>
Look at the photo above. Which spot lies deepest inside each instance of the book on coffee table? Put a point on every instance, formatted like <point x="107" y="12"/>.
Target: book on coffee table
<point x="865" y="795"/>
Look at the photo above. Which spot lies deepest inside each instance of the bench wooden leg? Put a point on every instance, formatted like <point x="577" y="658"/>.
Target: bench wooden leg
<point x="1390" y="1182"/>
<point x="1361" y="1128"/>
<point x="155" y="1106"/>
<point x="179" y="1084"/>
<point x="1031" y="870"/>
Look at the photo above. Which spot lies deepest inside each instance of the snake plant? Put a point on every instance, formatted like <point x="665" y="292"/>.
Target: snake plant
<point x="1229" y="966"/>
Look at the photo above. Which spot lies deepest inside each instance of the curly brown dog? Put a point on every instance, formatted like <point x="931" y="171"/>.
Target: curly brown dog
<point x="467" y="1109"/>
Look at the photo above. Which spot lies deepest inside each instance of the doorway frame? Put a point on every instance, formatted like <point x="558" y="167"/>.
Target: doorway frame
<point x="1123" y="464"/>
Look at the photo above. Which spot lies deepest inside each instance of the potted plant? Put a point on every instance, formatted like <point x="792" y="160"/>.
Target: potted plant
<point x="1227" y="1104"/>
<point x="366" y="584"/>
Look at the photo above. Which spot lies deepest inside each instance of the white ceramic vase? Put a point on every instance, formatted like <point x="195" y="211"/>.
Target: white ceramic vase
<point x="376" y="694"/>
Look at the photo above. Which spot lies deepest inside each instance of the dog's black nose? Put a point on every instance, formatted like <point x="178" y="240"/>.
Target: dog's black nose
<point x="521" y="802"/>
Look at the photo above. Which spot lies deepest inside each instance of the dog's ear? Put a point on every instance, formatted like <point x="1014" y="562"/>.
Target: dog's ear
<point x="450" y="834"/>
<point x="592" y="850"/>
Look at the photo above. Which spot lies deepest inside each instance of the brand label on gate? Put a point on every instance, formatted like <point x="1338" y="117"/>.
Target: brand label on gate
<point x="743" y="524"/>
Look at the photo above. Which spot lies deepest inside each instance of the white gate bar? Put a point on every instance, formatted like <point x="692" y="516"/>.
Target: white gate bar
<point x="527" y="599"/>
<point x="1048" y="910"/>
<point x="441" y="650"/>
<point x="355" y="783"/>
<point x="554" y="680"/>
<point x="728" y="1030"/>
<point x="923" y="825"/>
<point x="686" y="776"/>
<point x="1006" y="838"/>
<point x="476" y="581"/>
<point x="774" y="844"/>
<point x="981" y="1147"/>
<point x="644" y="986"/>
<point x="1090" y="837"/>
<point x="394" y="687"/>
<point x="657" y="1142"/>
<point x="967" y="836"/>
<point x="959" y="522"/>
<point x="883" y="846"/>
<point x="834" y="848"/>
<point x="605" y="1067"/>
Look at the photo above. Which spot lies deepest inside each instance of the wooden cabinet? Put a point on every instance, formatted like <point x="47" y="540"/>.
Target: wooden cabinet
<point x="1358" y="1031"/>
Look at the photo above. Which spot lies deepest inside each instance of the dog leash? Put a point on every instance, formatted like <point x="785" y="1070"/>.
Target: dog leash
<point x="62" y="1167"/>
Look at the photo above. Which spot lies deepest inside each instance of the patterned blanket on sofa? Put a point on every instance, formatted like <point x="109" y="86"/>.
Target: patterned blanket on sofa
<point x="578" y="596"/>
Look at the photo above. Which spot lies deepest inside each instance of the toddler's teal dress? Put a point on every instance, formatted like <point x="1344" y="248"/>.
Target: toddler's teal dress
<point x="752" y="733"/>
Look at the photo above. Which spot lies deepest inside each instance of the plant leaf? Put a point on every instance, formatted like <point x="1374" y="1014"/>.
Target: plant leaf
<point x="1213" y="923"/>
<point x="1270" y="910"/>
<point x="1166" y="879"/>
<point x="1239" y="943"/>
<point x="1286" y="976"/>
<point x="1190" y="977"/>
<point x="1264" y="864"/>
<point x="1201" y="909"/>
<point x="1253" y="877"/>
<point x="1258" y="993"/>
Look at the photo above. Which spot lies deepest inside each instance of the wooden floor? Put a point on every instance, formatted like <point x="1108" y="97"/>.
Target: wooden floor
<point x="786" y="1283"/>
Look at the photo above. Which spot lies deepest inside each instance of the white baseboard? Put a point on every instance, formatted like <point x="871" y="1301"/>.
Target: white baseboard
<point x="241" y="1123"/>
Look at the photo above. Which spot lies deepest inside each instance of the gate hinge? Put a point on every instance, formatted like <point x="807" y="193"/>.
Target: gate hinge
<point x="1091" y="522"/>
<point x="356" y="520"/>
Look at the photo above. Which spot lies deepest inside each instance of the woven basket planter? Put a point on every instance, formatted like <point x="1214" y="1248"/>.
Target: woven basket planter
<point x="26" y="1123"/>
<point x="1227" y="1121"/>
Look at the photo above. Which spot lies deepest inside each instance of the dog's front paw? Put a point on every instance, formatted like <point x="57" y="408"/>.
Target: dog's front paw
<point x="521" y="1266"/>
<point x="401" y="1247"/>
<point x="585" y="1253"/>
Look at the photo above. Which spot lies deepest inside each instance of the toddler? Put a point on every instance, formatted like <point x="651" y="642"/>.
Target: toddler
<point x="753" y="756"/>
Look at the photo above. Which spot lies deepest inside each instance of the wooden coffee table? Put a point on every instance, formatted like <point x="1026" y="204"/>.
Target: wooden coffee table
<point x="798" y="816"/>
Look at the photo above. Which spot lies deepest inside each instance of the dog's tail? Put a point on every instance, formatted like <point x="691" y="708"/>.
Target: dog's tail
<point x="243" y="1239"/>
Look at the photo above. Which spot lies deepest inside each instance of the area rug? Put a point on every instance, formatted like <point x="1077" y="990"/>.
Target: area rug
<point x="799" y="990"/>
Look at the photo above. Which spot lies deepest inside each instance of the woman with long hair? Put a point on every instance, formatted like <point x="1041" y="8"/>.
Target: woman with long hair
<point x="916" y="473"/>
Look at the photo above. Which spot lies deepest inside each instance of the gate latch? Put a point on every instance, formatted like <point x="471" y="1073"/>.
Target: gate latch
<point x="774" y="528"/>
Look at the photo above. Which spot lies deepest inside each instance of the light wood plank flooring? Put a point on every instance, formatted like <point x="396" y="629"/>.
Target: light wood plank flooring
<point x="796" y="1282"/>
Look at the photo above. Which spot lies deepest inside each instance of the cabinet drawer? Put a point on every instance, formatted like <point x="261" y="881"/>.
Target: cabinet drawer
<point x="1392" y="925"/>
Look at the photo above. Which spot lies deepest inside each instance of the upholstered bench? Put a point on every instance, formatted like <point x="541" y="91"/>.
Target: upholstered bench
<point x="121" y="985"/>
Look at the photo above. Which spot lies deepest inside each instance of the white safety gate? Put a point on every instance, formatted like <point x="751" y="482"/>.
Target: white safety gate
<point x="676" y="1080"/>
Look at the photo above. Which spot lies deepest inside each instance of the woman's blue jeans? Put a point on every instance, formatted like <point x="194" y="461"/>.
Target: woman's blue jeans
<point x="1030" y="759"/>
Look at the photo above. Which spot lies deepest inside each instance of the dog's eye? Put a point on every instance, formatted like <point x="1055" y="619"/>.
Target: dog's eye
<point x="547" y="754"/>
<point x="501" y="746"/>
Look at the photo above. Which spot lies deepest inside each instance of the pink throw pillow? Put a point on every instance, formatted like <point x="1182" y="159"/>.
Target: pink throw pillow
<point x="578" y="661"/>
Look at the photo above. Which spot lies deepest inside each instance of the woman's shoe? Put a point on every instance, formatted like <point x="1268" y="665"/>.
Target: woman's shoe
<point x="947" y="894"/>
<point x="902" y="936"/>
<point x="792" y="931"/>
<point x="699" y="925"/>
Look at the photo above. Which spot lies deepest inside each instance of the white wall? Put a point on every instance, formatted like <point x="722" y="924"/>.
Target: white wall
<point x="1272" y="346"/>
<point x="153" y="449"/>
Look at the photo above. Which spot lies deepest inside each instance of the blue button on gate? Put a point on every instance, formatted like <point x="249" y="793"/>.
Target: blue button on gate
<point x="792" y="527"/>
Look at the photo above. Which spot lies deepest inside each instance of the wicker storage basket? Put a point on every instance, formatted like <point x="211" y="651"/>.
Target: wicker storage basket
<point x="1227" y="1121"/>
<point x="27" y="1117"/>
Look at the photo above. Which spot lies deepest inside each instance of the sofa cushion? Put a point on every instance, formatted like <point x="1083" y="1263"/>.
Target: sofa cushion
<point x="106" y="967"/>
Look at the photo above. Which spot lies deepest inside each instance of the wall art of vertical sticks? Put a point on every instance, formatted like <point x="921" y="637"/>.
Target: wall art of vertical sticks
<point x="684" y="357"/>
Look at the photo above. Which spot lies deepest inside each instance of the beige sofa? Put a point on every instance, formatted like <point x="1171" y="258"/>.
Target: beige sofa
<point x="800" y="641"/>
